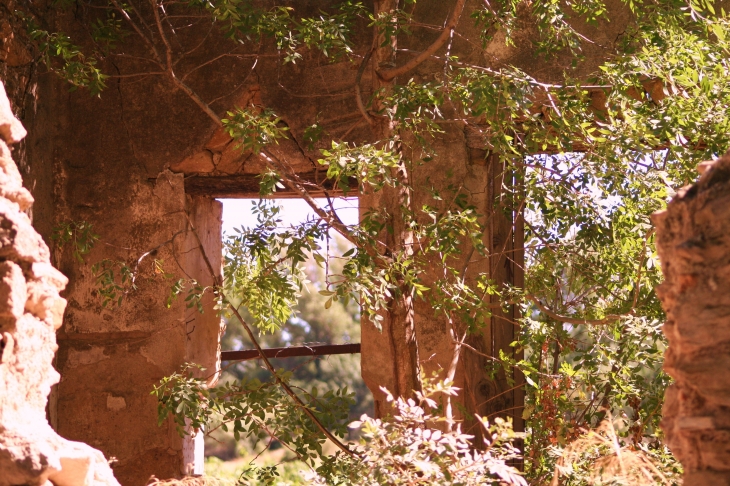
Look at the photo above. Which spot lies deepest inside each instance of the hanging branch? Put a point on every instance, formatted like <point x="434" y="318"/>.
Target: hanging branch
<point x="390" y="74"/>
<point x="145" y="39"/>
<point x="293" y="182"/>
<point x="609" y="319"/>
<point x="358" y="92"/>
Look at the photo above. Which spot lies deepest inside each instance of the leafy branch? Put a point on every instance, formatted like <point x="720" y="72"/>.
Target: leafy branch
<point x="79" y="234"/>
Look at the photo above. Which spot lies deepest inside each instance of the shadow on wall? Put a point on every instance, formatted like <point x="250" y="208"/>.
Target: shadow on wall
<point x="30" y="312"/>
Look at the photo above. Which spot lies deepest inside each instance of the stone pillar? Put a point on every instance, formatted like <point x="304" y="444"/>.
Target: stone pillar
<point x="31" y="452"/>
<point x="384" y="354"/>
<point x="111" y="357"/>
<point x="693" y="240"/>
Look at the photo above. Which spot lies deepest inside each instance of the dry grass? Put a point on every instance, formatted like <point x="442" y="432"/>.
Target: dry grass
<point x="610" y="463"/>
<point x="186" y="481"/>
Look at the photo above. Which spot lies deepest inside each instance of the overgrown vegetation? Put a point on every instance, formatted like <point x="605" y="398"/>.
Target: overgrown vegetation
<point x="619" y="145"/>
<point x="311" y="323"/>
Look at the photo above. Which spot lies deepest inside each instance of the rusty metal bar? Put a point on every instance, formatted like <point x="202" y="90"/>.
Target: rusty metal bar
<point x="291" y="352"/>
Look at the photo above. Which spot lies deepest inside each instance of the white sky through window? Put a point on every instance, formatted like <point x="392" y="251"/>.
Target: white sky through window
<point x="237" y="212"/>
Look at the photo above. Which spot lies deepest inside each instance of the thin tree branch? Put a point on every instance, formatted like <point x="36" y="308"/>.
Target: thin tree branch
<point x="161" y="30"/>
<point x="291" y="180"/>
<point x="287" y="388"/>
<point x="211" y="61"/>
<point x="530" y="80"/>
<point x="136" y="28"/>
<point x="389" y="74"/>
<point x="572" y="320"/>
<point x="139" y="58"/>
<point x="177" y="81"/>
<point x="516" y="387"/>
<point x="350" y="130"/>
<point x="358" y="92"/>
<point x="136" y="75"/>
<point x="167" y="17"/>
<point x="243" y="82"/>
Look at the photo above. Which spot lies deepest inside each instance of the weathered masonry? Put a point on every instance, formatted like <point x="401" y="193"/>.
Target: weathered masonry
<point x="31" y="310"/>
<point x="143" y="163"/>
<point x="694" y="245"/>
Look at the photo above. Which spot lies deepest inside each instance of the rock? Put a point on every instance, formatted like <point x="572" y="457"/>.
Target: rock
<point x="693" y="241"/>
<point x="31" y="309"/>
<point x="44" y="302"/>
<point x="219" y="140"/>
<point x="45" y="271"/>
<point x="11" y="130"/>
<point x="18" y="239"/>
<point x="11" y="183"/>
<point x="13" y="291"/>
<point x="200" y="162"/>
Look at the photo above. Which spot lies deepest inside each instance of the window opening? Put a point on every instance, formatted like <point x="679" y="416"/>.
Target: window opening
<point x="237" y="213"/>
<point x="319" y="345"/>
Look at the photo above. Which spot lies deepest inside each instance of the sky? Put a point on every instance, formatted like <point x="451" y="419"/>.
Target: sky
<point x="237" y="212"/>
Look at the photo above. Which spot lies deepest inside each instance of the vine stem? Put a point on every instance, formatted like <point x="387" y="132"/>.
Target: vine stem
<point x="358" y="91"/>
<point x="390" y="74"/>
<point x="609" y="319"/>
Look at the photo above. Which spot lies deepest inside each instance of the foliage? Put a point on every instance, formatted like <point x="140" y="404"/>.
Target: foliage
<point x="407" y="449"/>
<point x="252" y="408"/>
<point x="597" y="457"/>
<point x="577" y="375"/>
<point x="261" y="265"/>
<point x="589" y="158"/>
<point x="67" y="59"/>
<point x="310" y="323"/>
<point x="328" y="32"/>
<point x="363" y="162"/>
<point x="79" y="234"/>
<point x="227" y="473"/>
<point x="253" y="130"/>
<point x="402" y="449"/>
<point x="112" y="288"/>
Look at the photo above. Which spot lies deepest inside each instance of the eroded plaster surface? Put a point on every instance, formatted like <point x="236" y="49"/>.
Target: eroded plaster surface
<point x="31" y="310"/>
<point x="693" y="240"/>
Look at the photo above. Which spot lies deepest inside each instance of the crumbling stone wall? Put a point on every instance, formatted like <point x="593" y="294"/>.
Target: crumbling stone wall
<point x="30" y="312"/>
<point x="693" y="239"/>
<point x="104" y="161"/>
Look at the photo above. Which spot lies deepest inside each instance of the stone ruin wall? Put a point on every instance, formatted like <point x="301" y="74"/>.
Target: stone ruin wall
<point x="693" y="240"/>
<point x="31" y="310"/>
<point x="105" y="161"/>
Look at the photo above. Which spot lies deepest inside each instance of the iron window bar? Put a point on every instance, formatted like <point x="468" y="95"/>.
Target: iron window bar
<point x="292" y="352"/>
